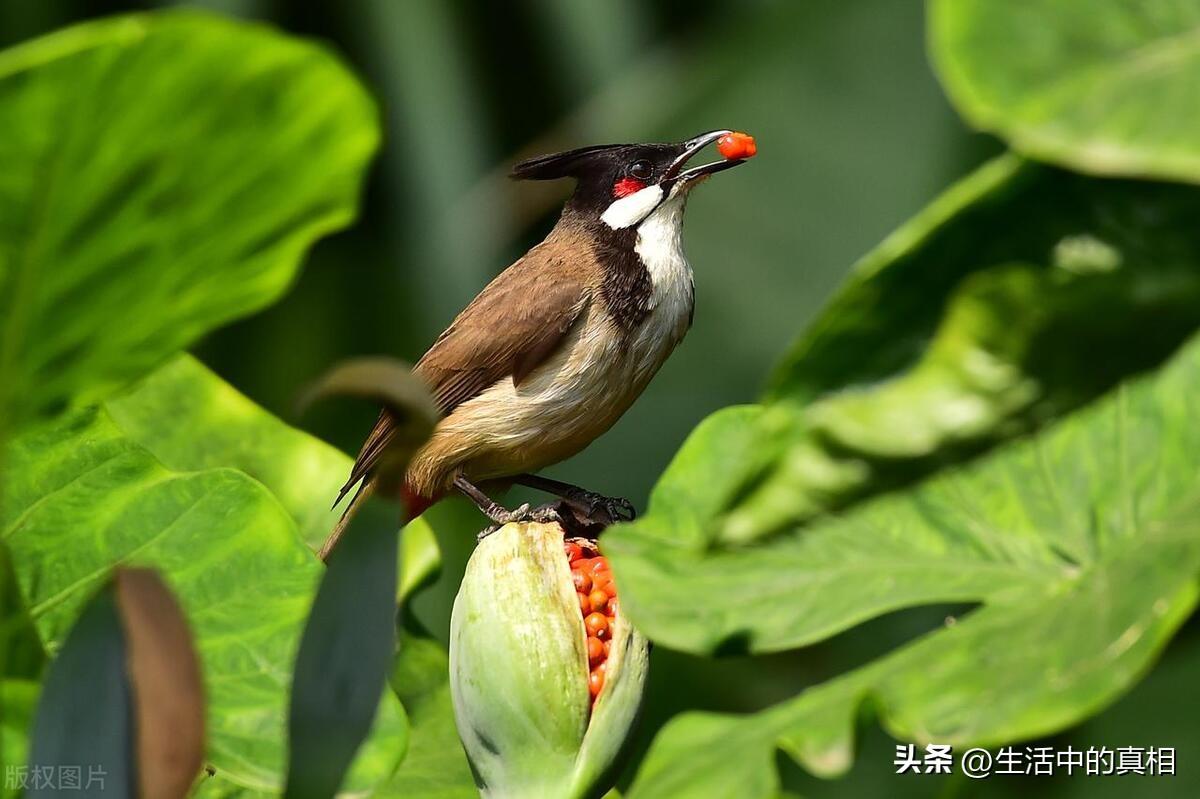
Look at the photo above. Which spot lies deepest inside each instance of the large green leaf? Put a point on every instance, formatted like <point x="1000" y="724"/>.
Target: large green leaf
<point x="436" y="766"/>
<point x="84" y="494"/>
<point x="1081" y="543"/>
<point x="1008" y="212"/>
<point x="191" y="420"/>
<point x="185" y="398"/>
<point x="977" y="321"/>
<point x="161" y="174"/>
<point x="1108" y="88"/>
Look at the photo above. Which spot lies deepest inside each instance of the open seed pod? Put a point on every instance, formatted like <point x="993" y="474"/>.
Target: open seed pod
<point x="520" y="667"/>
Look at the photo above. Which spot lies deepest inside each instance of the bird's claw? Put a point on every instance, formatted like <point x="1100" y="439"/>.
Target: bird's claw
<point x="616" y="509"/>
<point x="542" y="513"/>
<point x="621" y="509"/>
<point x="546" y="514"/>
<point x="586" y="508"/>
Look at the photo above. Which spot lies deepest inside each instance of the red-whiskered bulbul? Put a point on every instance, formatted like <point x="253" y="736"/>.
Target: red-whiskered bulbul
<point x="551" y="353"/>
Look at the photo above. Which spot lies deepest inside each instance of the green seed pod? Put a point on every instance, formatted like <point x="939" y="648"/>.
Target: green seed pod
<point x="519" y="673"/>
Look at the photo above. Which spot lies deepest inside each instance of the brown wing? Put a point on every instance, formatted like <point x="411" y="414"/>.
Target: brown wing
<point x="514" y="324"/>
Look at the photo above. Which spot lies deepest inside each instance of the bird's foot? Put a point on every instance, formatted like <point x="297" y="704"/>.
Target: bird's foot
<point x="583" y="508"/>
<point x="602" y="509"/>
<point x="501" y="517"/>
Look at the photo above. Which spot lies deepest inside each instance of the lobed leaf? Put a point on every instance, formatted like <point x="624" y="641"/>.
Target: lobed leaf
<point x="162" y="174"/>
<point x="83" y="495"/>
<point x="1081" y="544"/>
<point x="1030" y="272"/>
<point x="191" y="420"/>
<point x="1022" y="295"/>
<point x="1107" y="90"/>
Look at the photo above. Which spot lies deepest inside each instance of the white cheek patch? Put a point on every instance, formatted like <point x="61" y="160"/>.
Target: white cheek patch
<point x="632" y="209"/>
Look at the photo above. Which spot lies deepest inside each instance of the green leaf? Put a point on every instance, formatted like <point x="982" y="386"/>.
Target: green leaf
<point x="191" y="420"/>
<point x="1081" y="543"/>
<point x="21" y="653"/>
<point x="1022" y="294"/>
<point x="18" y="700"/>
<point x="973" y="323"/>
<point x="85" y="714"/>
<point x="1103" y="88"/>
<point x="1008" y="212"/>
<point x="162" y="175"/>
<point x="184" y="396"/>
<point x="435" y="766"/>
<point x="83" y="495"/>
<point x="343" y="663"/>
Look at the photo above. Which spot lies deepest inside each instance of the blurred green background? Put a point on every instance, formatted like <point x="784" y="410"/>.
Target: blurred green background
<point x="855" y="135"/>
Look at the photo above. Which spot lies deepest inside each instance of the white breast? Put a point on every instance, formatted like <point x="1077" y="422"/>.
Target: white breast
<point x="660" y="245"/>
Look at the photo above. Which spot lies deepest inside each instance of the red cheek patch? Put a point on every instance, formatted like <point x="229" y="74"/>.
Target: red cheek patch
<point x="627" y="186"/>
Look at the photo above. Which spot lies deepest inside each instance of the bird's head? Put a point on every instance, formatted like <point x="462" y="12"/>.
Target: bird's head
<point x="622" y="184"/>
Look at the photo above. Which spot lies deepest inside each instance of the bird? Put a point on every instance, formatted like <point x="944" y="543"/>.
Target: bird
<point x="560" y="344"/>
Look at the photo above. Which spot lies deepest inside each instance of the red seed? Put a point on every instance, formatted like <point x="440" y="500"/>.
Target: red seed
<point x="596" y="624"/>
<point x="607" y="646"/>
<point x="595" y="649"/>
<point x="595" y="682"/>
<point x="583" y="581"/>
<point x="585" y="603"/>
<point x="737" y="145"/>
<point x="573" y="550"/>
<point x="599" y="564"/>
<point x="599" y="599"/>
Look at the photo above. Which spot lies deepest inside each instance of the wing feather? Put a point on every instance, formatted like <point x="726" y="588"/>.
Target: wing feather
<point x="507" y="331"/>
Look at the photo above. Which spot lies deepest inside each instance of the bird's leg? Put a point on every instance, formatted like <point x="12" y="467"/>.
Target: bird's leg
<point x="500" y="515"/>
<point x="589" y="502"/>
<point x="487" y="506"/>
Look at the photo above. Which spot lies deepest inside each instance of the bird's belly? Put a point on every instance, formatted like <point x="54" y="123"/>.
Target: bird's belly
<point x="560" y="408"/>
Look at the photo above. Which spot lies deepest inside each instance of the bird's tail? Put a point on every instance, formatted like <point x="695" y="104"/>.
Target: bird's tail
<point x="414" y="505"/>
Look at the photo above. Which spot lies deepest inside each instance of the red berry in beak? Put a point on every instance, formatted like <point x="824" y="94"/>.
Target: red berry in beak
<point x="737" y="145"/>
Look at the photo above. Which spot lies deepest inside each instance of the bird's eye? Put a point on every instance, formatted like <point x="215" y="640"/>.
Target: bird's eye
<point x="641" y="170"/>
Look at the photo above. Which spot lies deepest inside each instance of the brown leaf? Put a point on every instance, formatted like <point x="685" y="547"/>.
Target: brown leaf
<point x="168" y="695"/>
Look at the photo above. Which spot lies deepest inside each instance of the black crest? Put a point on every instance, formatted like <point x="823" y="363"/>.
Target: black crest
<point x="596" y="169"/>
<point x="570" y="164"/>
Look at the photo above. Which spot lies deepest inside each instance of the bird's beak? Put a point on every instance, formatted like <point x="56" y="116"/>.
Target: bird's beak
<point x="675" y="173"/>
